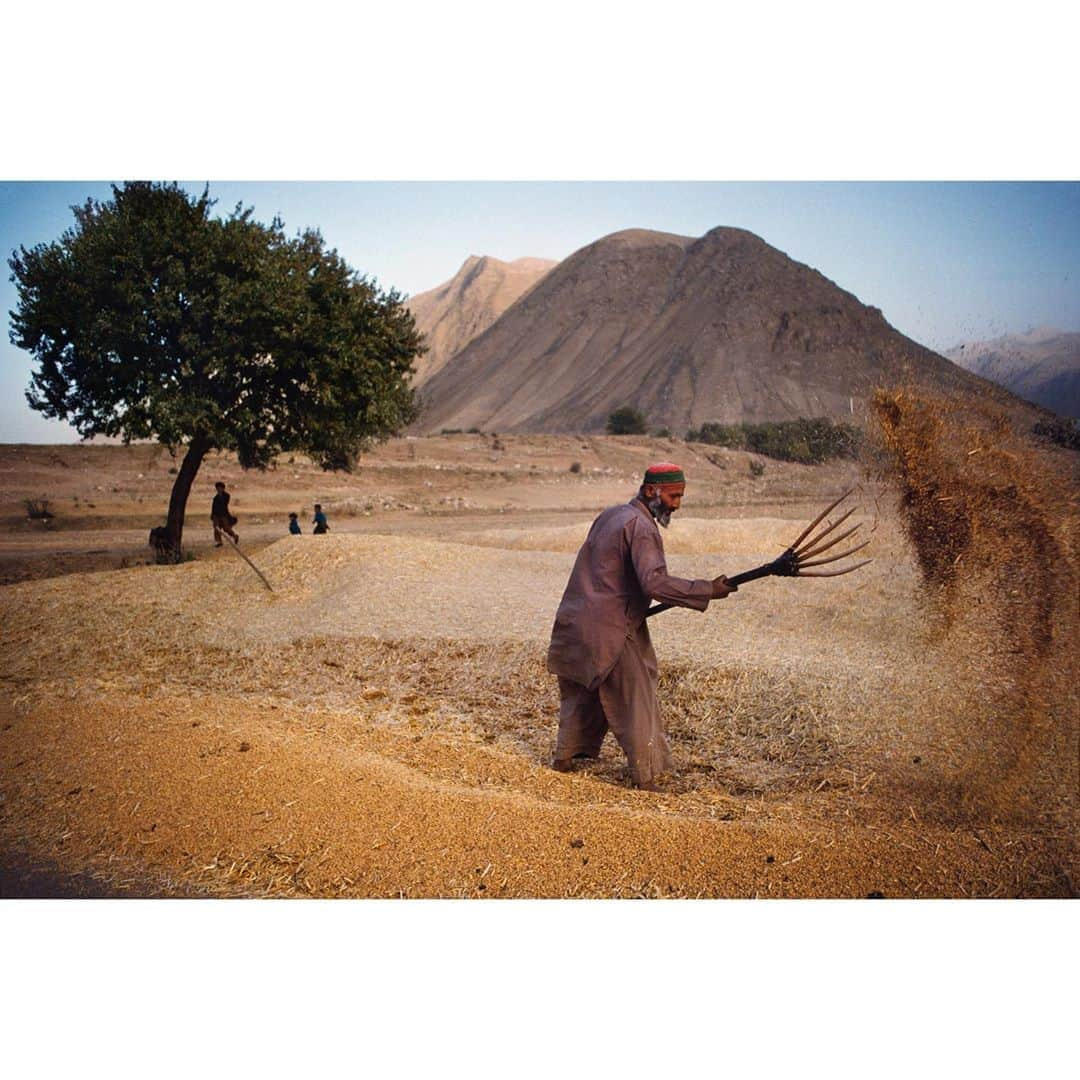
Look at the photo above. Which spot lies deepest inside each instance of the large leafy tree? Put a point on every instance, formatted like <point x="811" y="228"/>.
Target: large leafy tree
<point x="152" y="317"/>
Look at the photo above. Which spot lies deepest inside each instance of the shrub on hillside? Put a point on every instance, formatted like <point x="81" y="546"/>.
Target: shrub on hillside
<point x="627" y="421"/>
<point x="38" y="509"/>
<point x="1060" y="431"/>
<point x="809" y="442"/>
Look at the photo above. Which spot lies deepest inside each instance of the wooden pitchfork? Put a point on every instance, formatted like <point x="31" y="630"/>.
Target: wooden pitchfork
<point x="236" y="547"/>
<point x="802" y="554"/>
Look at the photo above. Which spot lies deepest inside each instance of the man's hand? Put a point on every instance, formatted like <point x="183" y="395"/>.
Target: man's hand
<point x="721" y="587"/>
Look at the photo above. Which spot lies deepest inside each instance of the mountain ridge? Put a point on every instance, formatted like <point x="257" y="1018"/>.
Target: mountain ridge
<point x="1041" y="365"/>
<point x="722" y="327"/>
<point x="453" y="313"/>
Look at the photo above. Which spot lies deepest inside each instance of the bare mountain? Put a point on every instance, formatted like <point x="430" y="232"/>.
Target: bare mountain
<point x="1041" y="365"/>
<point x="452" y="314"/>
<point x="722" y="328"/>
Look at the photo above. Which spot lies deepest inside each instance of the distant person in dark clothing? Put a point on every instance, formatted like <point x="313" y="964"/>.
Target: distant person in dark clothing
<point x="161" y="542"/>
<point x="294" y="525"/>
<point x="321" y="525"/>
<point x="220" y="516"/>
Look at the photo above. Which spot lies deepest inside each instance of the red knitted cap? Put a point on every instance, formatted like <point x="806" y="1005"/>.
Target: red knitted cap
<point x="664" y="472"/>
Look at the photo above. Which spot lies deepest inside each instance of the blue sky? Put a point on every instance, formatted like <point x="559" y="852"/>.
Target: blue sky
<point x="946" y="262"/>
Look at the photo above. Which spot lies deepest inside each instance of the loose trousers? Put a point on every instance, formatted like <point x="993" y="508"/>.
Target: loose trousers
<point x="625" y="702"/>
<point x="223" y="524"/>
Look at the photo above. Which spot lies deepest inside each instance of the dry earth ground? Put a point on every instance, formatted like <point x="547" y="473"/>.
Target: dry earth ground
<point x="380" y="724"/>
<point x="106" y="498"/>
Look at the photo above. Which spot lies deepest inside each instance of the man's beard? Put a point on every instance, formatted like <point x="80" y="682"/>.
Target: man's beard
<point x="659" y="511"/>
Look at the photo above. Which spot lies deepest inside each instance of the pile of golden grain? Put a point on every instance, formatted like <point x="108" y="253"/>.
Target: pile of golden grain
<point x="380" y="724"/>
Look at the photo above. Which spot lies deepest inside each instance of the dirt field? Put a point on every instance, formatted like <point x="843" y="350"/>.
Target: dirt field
<point x="380" y="724"/>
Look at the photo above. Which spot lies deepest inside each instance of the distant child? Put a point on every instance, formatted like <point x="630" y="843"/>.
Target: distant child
<point x="321" y="525"/>
<point x="294" y="525"/>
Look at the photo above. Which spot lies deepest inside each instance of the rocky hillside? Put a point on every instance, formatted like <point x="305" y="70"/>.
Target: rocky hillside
<point x="452" y="314"/>
<point x="720" y="328"/>
<point x="1041" y="365"/>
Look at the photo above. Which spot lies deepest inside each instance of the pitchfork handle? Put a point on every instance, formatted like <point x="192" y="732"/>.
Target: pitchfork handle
<point x="738" y="579"/>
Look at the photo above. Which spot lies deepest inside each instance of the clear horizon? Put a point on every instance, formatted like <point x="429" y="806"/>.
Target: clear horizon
<point x="947" y="262"/>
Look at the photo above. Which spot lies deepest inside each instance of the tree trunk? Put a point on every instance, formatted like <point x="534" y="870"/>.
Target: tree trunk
<point x="174" y="527"/>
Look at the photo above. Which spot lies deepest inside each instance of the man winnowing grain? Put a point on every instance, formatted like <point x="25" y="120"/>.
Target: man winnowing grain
<point x="600" y="647"/>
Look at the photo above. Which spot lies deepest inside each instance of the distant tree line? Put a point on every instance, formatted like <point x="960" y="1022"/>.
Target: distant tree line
<point x="808" y="442"/>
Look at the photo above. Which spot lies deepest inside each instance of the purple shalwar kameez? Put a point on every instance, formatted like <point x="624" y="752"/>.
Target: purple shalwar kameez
<point x="600" y="647"/>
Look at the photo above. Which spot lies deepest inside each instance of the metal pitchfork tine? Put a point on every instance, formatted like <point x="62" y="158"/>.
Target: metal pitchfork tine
<point x="803" y="553"/>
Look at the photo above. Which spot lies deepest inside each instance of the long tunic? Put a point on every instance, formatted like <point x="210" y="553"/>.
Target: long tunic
<point x="600" y="646"/>
<point x="619" y="570"/>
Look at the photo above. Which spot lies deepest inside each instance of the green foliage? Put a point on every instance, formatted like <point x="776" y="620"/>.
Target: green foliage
<point x="662" y="433"/>
<point x="809" y="442"/>
<point x="757" y="468"/>
<point x="1060" y="431"/>
<point x="152" y="318"/>
<point x="627" y="421"/>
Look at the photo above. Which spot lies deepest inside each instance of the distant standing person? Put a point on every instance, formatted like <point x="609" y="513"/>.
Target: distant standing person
<point x="294" y="525"/>
<point x="162" y="545"/>
<point x="321" y="524"/>
<point x="221" y="517"/>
